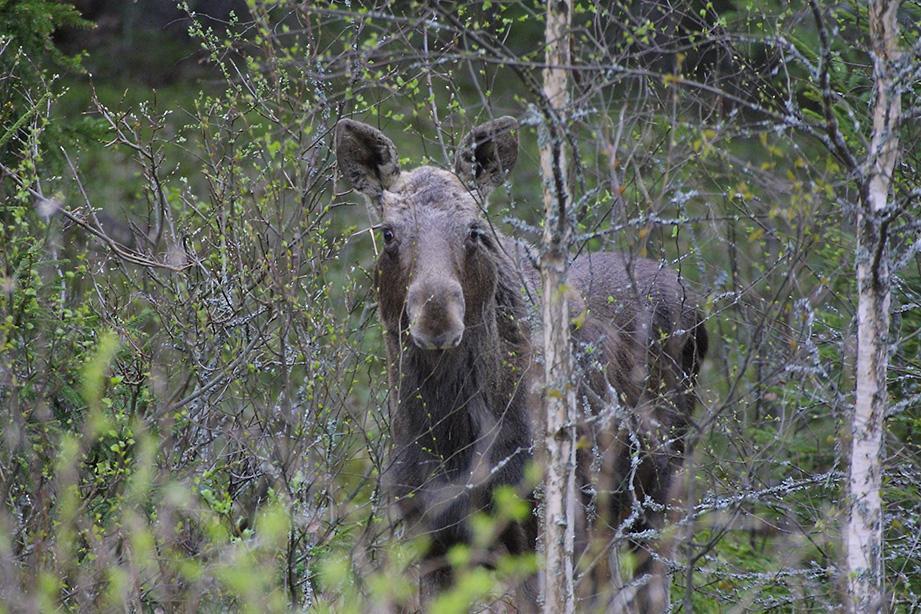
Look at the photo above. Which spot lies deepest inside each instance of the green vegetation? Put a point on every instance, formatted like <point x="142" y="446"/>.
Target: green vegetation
<point x="192" y="379"/>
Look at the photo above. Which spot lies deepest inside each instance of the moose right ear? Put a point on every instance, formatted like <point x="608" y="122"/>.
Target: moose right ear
<point x="367" y="159"/>
<point x="487" y="154"/>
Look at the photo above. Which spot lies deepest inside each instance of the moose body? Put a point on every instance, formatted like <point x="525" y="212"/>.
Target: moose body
<point x="455" y="297"/>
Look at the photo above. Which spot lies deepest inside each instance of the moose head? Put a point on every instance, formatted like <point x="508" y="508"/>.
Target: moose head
<point x="436" y="273"/>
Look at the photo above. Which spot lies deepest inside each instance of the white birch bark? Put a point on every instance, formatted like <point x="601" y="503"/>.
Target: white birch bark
<point x="559" y="401"/>
<point x="864" y="533"/>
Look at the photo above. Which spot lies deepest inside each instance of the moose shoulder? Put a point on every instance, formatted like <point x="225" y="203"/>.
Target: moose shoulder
<point x="461" y="357"/>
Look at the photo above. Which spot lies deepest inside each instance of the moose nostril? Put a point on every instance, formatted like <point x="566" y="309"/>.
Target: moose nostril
<point x="448" y="340"/>
<point x="444" y="341"/>
<point x="440" y="342"/>
<point x="422" y="342"/>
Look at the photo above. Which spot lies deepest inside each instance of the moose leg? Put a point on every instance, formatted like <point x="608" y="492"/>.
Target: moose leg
<point x="597" y="548"/>
<point x="659" y="458"/>
<point x="662" y="486"/>
<point x="433" y="584"/>
<point x="647" y="591"/>
<point x="519" y="538"/>
<point x="653" y="594"/>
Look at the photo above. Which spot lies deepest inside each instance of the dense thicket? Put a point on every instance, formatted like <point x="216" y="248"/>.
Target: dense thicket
<point x="192" y="392"/>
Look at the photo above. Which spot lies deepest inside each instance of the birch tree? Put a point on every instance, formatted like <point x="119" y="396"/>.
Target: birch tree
<point x="864" y="534"/>
<point x="559" y="405"/>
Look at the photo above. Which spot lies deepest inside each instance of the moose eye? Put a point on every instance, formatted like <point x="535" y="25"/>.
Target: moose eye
<point x="387" y="233"/>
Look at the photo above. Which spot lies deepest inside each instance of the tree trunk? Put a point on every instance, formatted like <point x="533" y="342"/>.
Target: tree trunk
<point x="559" y="400"/>
<point x="864" y="535"/>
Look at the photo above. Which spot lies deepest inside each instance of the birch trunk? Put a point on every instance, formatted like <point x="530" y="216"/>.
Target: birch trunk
<point x="559" y="401"/>
<point x="864" y="534"/>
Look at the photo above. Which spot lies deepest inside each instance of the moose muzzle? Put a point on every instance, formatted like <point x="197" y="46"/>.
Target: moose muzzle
<point x="436" y="314"/>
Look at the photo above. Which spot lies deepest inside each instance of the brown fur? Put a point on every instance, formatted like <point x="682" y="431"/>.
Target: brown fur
<point x="462" y="415"/>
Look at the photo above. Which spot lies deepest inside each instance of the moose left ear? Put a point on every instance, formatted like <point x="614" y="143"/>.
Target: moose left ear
<point x="487" y="154"/>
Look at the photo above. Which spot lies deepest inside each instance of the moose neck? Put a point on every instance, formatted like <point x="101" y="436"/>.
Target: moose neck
<point x="444" y="394"/>
<point x="448" y="400"/>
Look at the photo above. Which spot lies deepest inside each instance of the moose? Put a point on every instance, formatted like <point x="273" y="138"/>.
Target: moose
<point x="456" y="301"/>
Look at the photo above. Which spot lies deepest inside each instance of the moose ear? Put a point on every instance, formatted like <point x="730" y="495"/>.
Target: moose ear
<point x="487" y="153"/>
<point x="367" y="159"/>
